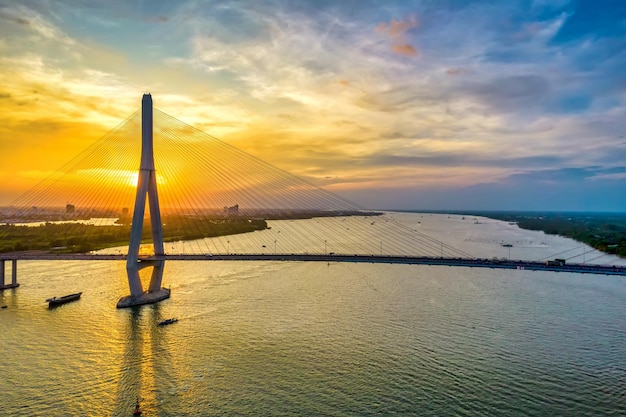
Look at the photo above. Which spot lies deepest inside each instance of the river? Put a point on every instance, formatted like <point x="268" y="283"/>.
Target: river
<point x="304" y="339"/>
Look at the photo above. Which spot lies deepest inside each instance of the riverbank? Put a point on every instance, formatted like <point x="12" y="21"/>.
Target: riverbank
<point x="605" y="232"/>
<point x="62" y="235"/>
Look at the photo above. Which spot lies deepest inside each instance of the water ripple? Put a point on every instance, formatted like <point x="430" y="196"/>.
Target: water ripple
<point x="309" y="339"/>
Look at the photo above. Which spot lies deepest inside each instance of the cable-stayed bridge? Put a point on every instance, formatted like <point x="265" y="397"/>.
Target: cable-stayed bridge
<point x="195" y="197"/>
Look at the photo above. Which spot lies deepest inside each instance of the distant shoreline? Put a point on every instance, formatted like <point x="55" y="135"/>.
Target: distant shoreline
<point x="604" y="231"/>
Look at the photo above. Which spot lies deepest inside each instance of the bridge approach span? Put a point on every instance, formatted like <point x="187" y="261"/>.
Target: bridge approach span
<point x="378" y="259"/>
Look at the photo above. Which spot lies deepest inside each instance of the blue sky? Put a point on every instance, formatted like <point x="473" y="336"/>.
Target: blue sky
<point x="393" y="104"/>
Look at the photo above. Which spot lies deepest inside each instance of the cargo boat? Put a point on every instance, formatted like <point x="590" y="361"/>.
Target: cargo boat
<point x="57" y="301"/>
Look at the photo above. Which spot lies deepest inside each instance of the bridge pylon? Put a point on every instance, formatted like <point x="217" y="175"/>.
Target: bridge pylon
<point x="146" y="188"/>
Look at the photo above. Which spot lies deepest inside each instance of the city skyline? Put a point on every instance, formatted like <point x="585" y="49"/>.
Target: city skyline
<point x="393" y="105"/>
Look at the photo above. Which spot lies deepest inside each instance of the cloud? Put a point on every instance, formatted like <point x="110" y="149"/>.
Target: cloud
<point x="400" y="98"/>
<point x="156" y="19"/>
<point x="552" y="176"/>
<point x="405" y="49"/>
<point x="11" y="16"/>
<point x="613" y="176"/>
<point x="447" y="159"/>
<point x="324" y="89"/>
<point x="533" y="191"/>
<point x="600" y="18"/>
<point x="512" y="93"/>
<point x="455" y="71"/>
<point x="397" y="30"/>
<point x="33" y="20"/>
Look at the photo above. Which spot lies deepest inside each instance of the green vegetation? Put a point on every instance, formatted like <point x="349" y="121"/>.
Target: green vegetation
<point x="79" y="238"/>
<point x="603" y="231"/>
<point x="62" y="237"/>
<point x="177" y="228"/>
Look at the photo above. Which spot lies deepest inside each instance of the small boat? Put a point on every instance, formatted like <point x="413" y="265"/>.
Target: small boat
<point x="168" y="321"/>
<point x="137" y="411"/>
<point x="57" y="301"/>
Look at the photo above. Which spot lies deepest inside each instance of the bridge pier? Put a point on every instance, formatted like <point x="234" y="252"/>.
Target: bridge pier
<point x="137" y="295"/>
<point x="13" y="283"/>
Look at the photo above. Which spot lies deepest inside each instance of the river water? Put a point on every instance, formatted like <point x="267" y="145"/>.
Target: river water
<point x="317" y="339"/>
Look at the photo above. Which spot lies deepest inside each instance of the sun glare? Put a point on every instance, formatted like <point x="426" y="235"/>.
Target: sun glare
<point x="133" y="178"/>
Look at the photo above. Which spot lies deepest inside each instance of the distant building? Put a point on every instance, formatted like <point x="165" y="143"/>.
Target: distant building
<point x="69" y="208"/>
<point x="232" y="211"/>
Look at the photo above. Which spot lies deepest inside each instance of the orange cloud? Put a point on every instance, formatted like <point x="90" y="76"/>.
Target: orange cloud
<point x="397" y="30"/>
<point x="405" y="49"/>
<point x="456" y="71"/>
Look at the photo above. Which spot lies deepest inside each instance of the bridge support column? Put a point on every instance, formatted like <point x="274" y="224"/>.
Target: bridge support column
<point x="14" y="273"/>
<point x="13" y="283"/>
<point x="146" y="188"/>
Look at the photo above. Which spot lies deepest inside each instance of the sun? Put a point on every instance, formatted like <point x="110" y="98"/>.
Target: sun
<point x="133" y="179"/>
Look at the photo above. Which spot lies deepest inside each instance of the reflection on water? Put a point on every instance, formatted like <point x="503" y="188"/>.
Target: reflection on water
<point x="129" y="384"/>
<point x="486" y="238"/>
<point x="274" y="338"/>
<point x="8" y="298"/>
<point x="145" y="371"/>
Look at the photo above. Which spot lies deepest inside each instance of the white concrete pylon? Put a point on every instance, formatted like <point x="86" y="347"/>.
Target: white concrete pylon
<point x="146" y="187"/>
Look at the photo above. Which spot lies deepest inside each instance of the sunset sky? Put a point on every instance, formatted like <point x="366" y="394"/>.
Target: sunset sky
<point x="392" y="104"/>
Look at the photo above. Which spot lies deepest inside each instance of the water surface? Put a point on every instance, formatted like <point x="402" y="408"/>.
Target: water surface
<point x="300" y="339"/>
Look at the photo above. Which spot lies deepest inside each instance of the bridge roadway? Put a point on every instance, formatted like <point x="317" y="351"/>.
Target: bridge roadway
<point x="380" y="259"/>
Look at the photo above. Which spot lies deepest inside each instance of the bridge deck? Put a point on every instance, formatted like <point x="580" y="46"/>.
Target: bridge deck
<point x="381" y="259"/>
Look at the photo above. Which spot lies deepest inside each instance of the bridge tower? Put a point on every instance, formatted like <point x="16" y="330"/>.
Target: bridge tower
<point x="146" y="187"/>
